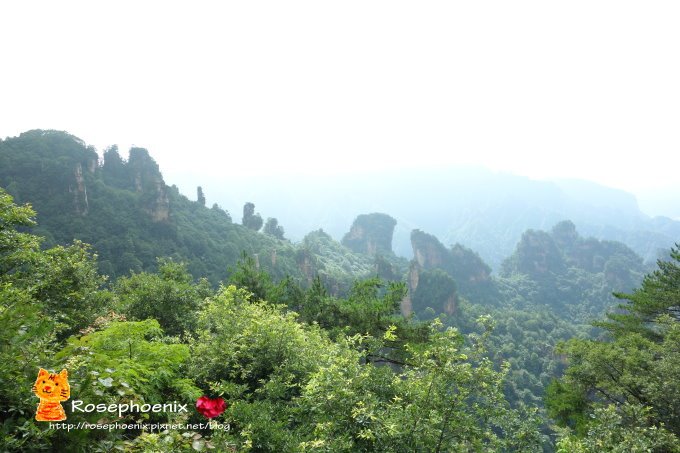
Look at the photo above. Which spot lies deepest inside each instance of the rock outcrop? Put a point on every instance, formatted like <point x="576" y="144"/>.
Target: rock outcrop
<point x="371" y="234"/>
<point x="79" y="191"/>
<point x="428" y="252"/>
<point x="148" y="180"/>
<point x="438" y="275"/>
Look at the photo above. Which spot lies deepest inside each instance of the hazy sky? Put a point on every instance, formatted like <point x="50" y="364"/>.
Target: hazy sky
<point x="587" y="89"/>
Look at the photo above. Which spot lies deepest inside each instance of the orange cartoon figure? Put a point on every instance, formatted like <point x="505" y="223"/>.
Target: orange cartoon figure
<point x="51" y="388"/>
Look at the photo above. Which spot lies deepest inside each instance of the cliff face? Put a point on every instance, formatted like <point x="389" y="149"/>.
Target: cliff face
<point x="429" y="285"/>
<point x="428" y="252"/>
<point x="52" y="170"/>
<point x="148" y="180"/>
<point x="334" y="263"/>
<point x="469" y="267"/>
<point x="461" y="263"/>
<point x="438" y="275"/>
<point x="371" y="234"/>
<point x="79" y="191"/>
<point x="160" y="208"/>
<point x="130" y="216"/>
<point x="435" y="290"/>
<point x="412" y="283"/>
<point x="70" y="175"/>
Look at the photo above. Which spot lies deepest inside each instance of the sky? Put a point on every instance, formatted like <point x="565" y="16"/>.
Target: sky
<point x="234" y="90"/>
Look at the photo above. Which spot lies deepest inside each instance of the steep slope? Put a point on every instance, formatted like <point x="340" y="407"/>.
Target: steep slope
<point x="131" y="217"/>
<point x="371" y="234"/>
<point x="437" y="276"/>
<point x="572" y="276"/>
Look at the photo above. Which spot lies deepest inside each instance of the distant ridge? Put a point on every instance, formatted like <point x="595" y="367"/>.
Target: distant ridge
<point x="473" y="206"/>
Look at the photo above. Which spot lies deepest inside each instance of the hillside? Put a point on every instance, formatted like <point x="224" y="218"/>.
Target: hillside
<point x="130" y="216"/>
<point x="559" y="270"/>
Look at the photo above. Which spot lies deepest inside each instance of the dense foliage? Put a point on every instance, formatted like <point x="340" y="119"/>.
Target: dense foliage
<point x="291" y="385"/>
<point x="371" y="234"/>
<point x="628" y="378"/>
<point x="574" y="275"/>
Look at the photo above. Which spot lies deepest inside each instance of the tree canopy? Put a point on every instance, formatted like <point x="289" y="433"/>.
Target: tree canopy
<point x="627" y="380"/>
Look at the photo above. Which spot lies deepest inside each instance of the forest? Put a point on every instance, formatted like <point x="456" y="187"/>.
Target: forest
<point x="147" y="297"/>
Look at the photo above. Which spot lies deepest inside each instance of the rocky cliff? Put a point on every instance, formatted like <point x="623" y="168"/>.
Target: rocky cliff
<point x="371" y="234"/>
<point x="437" y="275"/>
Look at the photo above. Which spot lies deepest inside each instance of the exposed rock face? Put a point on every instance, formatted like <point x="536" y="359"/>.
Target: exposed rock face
<point x="371" y="234"/>
<point x="63" y="163"/>
<point x="428" y="251"/>
<point x="429" y="284"/>
<point x="438" y="274"/>
<point x="461" y="263"/>
<point x="451" y="304"/>
<point x="305" y="264"/>
<point x="436" y="290"/>
<point x="406" y="305"/>
<point x="413" y="276"/>
<point x="141" y="174"/>
<point x="413" y="279"/>
<point x="149" y="181"/>
<point x="79" y="191"/>
<point x="92" y="164"/>
<point x="160" y="211"/>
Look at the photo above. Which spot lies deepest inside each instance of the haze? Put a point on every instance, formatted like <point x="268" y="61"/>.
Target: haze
<point x="240" y="91"/>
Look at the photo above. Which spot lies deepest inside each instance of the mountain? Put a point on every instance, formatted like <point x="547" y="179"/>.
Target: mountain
<point x="573" y="274"/>
<point x="559" y="270"/>
<point x="482" y="210"/>
<point x="131" y="217"/>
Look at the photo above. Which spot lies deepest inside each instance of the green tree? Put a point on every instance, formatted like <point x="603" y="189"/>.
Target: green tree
<point x="658" y="295"/>
<point x="635" y="366"/>
<point x="624" y="429"/>
<point x="448" y="398"/>
<point x="250" y="218"/>
<point x="118" y="362"/>
<point x="272" y="228"/>
<point x="17" y="249"/>
<point x="248" y="275"/>
<point x="290" y="388"/>
<point x="269" y="357"/>
<point x="67" y="282"/>
<point x="44" y="295"/>
<point x="170" y="296"/>
<point x="371" y="308"/>
<point x="200" y="198"/>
